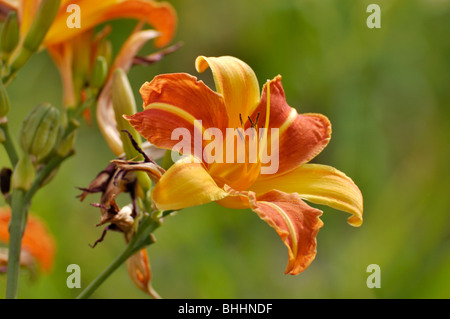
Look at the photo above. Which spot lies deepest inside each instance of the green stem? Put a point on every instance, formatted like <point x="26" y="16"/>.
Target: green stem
<point x="8" y="144"/>
<point x="139" y="241"/>
<point x="124" y="255"/>
<point x="42" y="175"/>
<point x="20" y="201"/>
<point x="17" y="226"/>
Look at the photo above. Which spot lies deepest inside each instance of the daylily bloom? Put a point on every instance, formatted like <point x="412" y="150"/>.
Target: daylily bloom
<point x="173" y="101"/>
<point x="38" y="246"/>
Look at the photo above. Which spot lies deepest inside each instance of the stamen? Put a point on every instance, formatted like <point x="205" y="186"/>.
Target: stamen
<point x="251" y="122"/>
<point x="137" y="148"/>
<point x="240" y="118"/>
<point x="257" y="118"/>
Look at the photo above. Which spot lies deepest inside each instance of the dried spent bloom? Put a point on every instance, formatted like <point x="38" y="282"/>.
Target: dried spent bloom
<point x="119" y="177"/>
<point x="38" y="246"/>
<point x="179" y="103"/>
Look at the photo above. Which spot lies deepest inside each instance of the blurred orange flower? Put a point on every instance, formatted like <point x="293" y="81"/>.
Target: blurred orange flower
<point x="74" y="50"/>
<point x="38" y="245"/>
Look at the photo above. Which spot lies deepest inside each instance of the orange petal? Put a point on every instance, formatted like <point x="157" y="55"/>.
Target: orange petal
<point x="295" y="222"/>
<point x="36" y="240"/>
<point x="160" y="15"/>
<point x="319" y="184"/>
<point x="27" y="11"/>
<point x="236" y="82"/>
<point x="175" y="101"/>
<point x="62" y="56"/>
<point x="186" y="183"/>
<point x="301" y="137"/>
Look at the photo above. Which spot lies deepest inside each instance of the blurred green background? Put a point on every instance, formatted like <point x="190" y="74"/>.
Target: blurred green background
<point x="386" y="92"/>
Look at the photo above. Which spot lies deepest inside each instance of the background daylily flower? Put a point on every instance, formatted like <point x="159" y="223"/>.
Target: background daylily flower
<point x="37" y="245"/>
<point x="175" y="100"/>
<point x="74" y="50"/>
<point x="94" y="13"/>
<point x="65" y="44"/>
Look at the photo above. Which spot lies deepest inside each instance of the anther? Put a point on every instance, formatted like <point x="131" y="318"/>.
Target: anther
<point x="240" y="118"/>
<point x="251" y="122"/>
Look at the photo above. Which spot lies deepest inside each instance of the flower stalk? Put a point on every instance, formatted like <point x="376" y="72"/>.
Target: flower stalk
<point x="18" y="221"/>
<point x="20" y="202"/>
<point x="140" y="240"/>
<point x="7" y="142"/>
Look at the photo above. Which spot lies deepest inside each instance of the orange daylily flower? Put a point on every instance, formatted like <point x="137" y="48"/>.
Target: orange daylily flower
<point x="94" y="12"/>
<point x="174" y="101"/>
<point x="37" y="243"/>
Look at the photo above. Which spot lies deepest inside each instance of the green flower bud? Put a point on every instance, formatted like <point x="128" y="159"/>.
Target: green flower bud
<point x="125" y="104"/>
<point x="99" y="73"/>
<point x="5" y="105"/>
<point x="104" y="49"/>
<point x="66" y="146"/>
<point x="23" y="175"/>
<point x="43" y="19"/>
<point x="9" y="36"/>
<point x="167" y="161"/>
<point x="40" y="131"/>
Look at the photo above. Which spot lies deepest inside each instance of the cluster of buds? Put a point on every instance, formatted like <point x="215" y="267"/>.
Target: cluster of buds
<point x="39" y="137"/>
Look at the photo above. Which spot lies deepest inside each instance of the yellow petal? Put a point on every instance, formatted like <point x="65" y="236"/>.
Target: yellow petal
<point x="319" y="184"/>
<point x="186" y="184"/>
<point x="237" y="83"/>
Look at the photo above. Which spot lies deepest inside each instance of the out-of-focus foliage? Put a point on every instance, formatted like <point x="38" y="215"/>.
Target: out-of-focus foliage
<point x="386" y="92"/>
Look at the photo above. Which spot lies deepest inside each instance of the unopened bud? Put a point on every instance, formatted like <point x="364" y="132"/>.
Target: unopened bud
<point x="23" y="175"/>
<point x="125" y="104"/>
<point x="99" y="73"/>
<point x="167" y="161"/>
<point x="104" y="49"/>
<point x="43" y="19"/>
<point x="5" y="105"/>
<point x="9" y="36"/>
<point x="40" y="131"/>
<point x="66" y="146"/>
